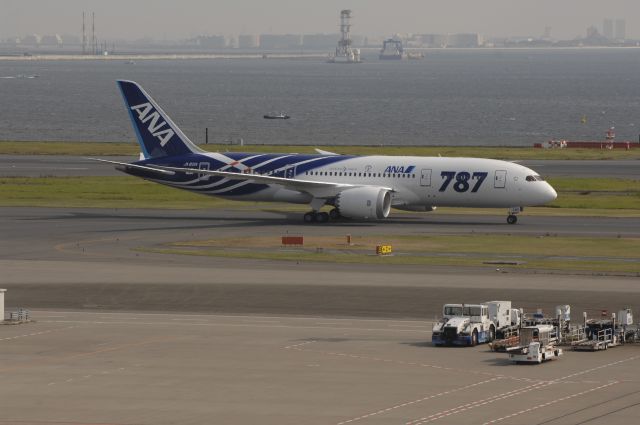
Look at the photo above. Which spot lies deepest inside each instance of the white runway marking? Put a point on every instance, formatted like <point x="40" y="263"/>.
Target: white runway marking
<point x="36" y="333"/>
<point x="551" y="402"/>
<point x="409" y="403"/>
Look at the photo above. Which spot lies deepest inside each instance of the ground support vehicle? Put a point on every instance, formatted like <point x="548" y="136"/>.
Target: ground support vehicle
<point x="471" y="324"/>
<point x="537" y="344"/>
<point x="605" y="333"/>
<point x="504" y="344"/>
<point x="601" y="340"/>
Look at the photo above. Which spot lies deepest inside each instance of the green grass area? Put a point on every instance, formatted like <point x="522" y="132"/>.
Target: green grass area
<point x="610" y="255"/>
<point x="101" y="192"/>
<point x="576" y="196"/>
<point x="596" y="193"/>
<point x="498" y="152"/>
<point x="537" y="246"/>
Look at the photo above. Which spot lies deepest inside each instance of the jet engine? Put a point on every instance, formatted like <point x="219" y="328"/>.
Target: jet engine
<point x="364" y="203"/>
<point x="417" y="208"/>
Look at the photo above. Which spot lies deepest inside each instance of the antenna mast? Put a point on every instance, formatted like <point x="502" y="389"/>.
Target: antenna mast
<point x="94" y="42"/>
<point x="84" y="36"/>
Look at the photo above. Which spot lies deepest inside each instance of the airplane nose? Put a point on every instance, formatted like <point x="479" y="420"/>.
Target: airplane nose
<point x="550" y="193"/>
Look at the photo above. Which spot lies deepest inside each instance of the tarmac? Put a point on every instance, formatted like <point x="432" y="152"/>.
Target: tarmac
<point x="71" y="368"/>
<point x="92" y="258"/>
<point x="128" y="337"/>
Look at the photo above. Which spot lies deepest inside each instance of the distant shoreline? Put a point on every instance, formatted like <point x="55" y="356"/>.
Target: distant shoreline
<point x="141" y="57"/>
<point x="272" y="55"/>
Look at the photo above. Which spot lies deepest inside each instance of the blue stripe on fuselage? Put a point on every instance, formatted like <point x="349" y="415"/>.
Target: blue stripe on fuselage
<point x="275" y="165"/>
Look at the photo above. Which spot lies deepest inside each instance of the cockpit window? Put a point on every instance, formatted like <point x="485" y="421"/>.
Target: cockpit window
<point x="534" y="178"/>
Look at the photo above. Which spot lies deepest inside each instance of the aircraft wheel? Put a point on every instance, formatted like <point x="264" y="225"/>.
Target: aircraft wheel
<point x="310" y="217"/>
<point x="334" y="214"/>
<point x="322" y="217"/>
<point x="492" y="333"/>
<point x="512" y="219"/>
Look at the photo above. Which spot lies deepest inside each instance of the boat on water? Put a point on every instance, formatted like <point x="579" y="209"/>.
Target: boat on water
<point x="391" y="50"/>
<point x="280" y="116"/>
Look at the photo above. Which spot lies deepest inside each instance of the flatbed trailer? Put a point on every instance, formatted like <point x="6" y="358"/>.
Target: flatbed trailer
<point x="604" y="339"/>
<point x="505" y="343"/>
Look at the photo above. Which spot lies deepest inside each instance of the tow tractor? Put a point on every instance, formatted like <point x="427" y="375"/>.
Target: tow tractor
<point x="472" y="324"/>
<point x="537" y="344"/>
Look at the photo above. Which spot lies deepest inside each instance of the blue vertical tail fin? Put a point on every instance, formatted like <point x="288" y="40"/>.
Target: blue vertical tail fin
<point x="157" y="134"/>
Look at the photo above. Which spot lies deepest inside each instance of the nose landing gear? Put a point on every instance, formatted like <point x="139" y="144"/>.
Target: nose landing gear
<point x="512" y="218"/>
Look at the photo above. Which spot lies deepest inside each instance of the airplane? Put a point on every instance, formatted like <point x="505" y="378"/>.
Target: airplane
<point x="356" y="187"/>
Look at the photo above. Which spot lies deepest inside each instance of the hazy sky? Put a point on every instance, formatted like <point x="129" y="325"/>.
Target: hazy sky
<point x="176" y="19"/>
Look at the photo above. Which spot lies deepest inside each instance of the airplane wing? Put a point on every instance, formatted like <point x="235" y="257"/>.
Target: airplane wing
<point x="314" y="188"/>
<point x="323" y="152"/>
<point x="126" y="165"/>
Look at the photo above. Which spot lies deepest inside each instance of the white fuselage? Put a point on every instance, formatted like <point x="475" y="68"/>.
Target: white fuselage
<point x="427" y="182"/>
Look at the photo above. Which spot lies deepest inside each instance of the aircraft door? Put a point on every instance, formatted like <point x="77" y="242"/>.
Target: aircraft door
<point x="289" y="172"/>
<point x="500" y="180"/>
<point x="425" y="177"/>
<point x="203" y="166"/>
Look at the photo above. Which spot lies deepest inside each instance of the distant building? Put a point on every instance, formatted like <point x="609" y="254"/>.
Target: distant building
<point x="32" y="40"/>
<point x="280" y="41"/>
<point x="13" y="40"/>
<point x="434" y="40"/>
<point x="210" y="41"/>
<point x="594" y="38"/>
<point x="464" y="40"/>
<point x="607" y="28"/>
<point x="621" y="29"/>
<point x="320" y="41"/>
<point x="248" y="41"/>
<point x="51" y="40"/>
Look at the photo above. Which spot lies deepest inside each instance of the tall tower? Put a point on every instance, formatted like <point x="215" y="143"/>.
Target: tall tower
<point x="94" y="41"/>
<point x="84" y="36"/>
<point x="344" y="51"/>
<point x="345" y="30"/>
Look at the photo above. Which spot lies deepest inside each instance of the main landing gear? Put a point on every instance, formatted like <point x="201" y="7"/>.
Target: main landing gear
<point x="321" y="217"/>
<point x="512" y="218"/>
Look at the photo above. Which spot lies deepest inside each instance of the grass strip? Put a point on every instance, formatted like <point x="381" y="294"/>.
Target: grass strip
<point x="495" y="152"/>
<point x="576" y="196"/>
<point x="505" y="245"/>
<point x="293" y="255"/>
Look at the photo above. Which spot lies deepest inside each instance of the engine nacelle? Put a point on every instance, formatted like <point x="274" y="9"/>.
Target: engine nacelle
<point x="364" y="203"/>
<point x="416" y="208"/>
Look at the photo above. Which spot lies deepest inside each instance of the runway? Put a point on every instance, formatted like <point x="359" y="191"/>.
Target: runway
<point x="52" y="165"/>
<point x="89" y="258"/>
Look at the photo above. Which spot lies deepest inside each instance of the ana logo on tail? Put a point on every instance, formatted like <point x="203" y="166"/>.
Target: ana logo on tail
<point x="146" y="113"/>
